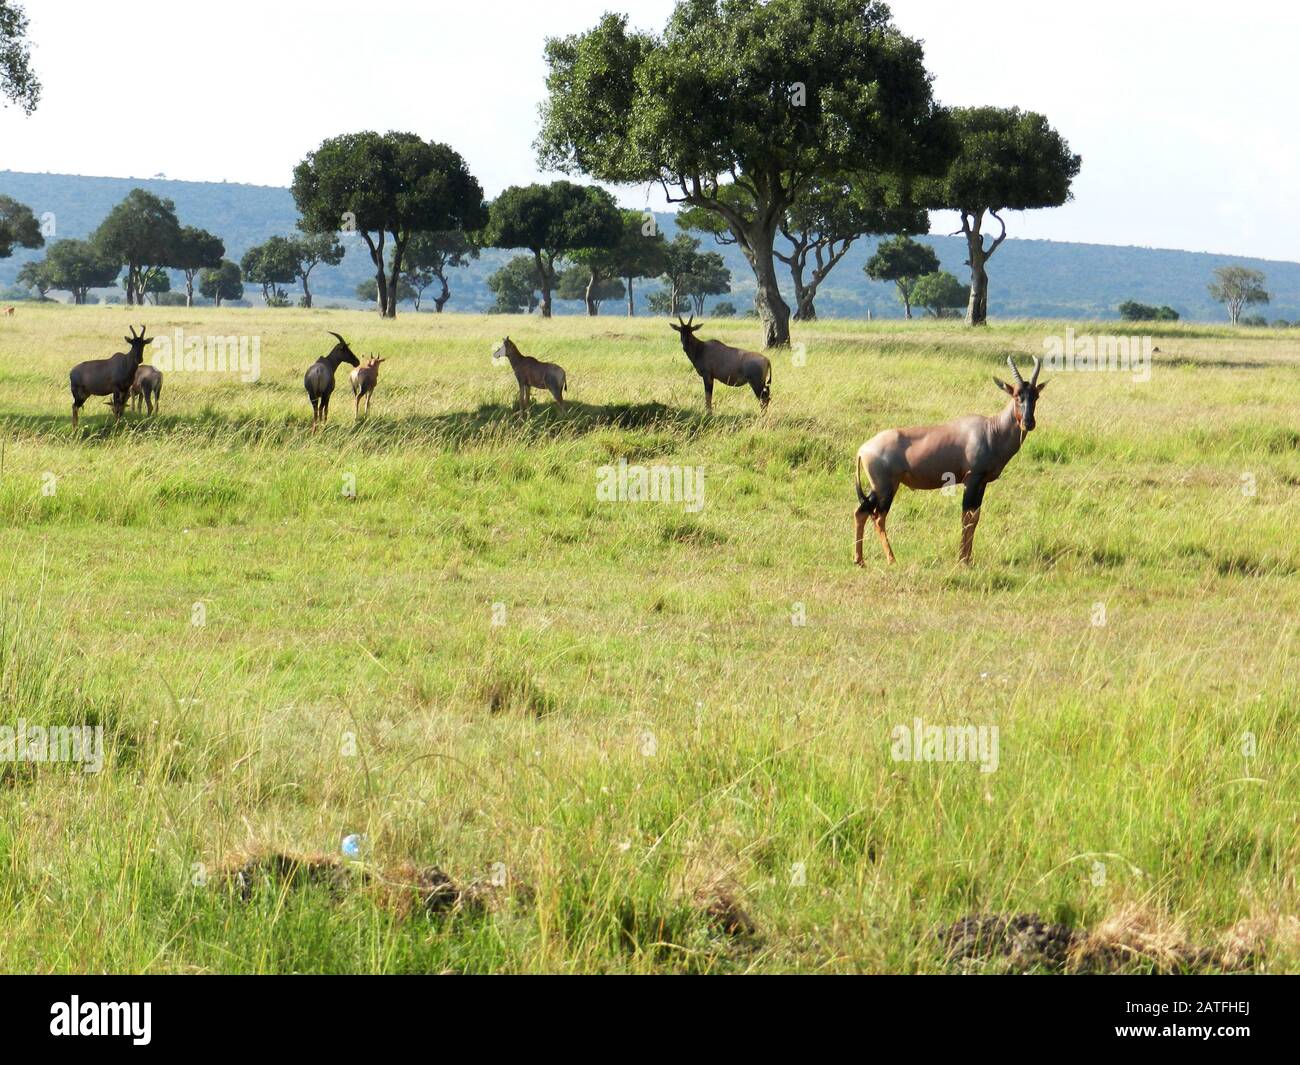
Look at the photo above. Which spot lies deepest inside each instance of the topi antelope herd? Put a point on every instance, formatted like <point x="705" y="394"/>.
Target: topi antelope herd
<point x="971" y="451"/>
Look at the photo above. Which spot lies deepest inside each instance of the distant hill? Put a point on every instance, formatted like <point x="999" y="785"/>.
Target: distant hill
<point x="1028" y="278"/>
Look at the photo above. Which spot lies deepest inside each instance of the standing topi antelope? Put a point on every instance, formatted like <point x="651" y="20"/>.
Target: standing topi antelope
<point x="108" y="377"/>
<point x="532" y="373"/>
<point x="146" y="388"/>
<point x="363" y="379"/>
<point x="973" y="450"/>
<point x="715" y="361"/>
<point x="319" y="378"/>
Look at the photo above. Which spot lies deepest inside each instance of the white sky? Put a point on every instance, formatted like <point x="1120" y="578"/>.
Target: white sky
<point x="1183" y="112"/>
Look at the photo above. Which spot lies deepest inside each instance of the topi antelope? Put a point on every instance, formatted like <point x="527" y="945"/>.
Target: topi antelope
<point x="363" y="380"/>
<point x="108" y="377"/>
<point x="715" y="361"/>
<point x="319" y="378"/>
<point x="972" y="450"/>
<point x="532" y="373"/>
<point x="146" y="388"/>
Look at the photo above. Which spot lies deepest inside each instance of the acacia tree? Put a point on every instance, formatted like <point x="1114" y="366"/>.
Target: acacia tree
<point x="515" y="287"/>
<point x="18" y="227"/>
<point x="1009" y="160"/>
<point x="222" y="282"/>
<point x="271" y="265"/>
<point x="142" y="234"/>
<point x="431" y="256"/>
<point x="941" y="294"/>
<point x="552" y="221"/>
<point x="35" y="274"/>
<point x="18" y="84"/>
<point x="739" y="107"/>
<point x="640" y="251"/>
<point x="387" y="187"/>
<point x="575" y="283"/>
<point x="77" y="266"/>
<point x="1238" y="287"/>
<point x="196" y="249"/>
<point x="902" y="261"/>
<point x="309" y="251"/>
<point x="708" y="277"/>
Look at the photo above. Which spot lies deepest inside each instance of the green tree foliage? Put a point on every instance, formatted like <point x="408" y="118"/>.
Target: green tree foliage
<point x="18" y="227"/>
<point x="552" y="221"/>
<point x="1009" y="160"/>
<point x="902" y="261"/>
<point x="386" y="187"/>
<point x="689" y="275"/>
<point x="1238" y="287"/>
<point x="724" y="309"/>
<point x="640" y="251"/>
<point x="18" y="83"/>
<point x="36" y="275"/>
<point x="709" y="276"/>
<point x="142" y="234"/>
<point x="431" y="256"/>
<point x="368" y="292"/>
<point x="196" y="249"/>
<point x="222" y="282"/>
<point x="310" y="250"/>
<point x="941" y="294"/>
<point x="739" y="107"/>
<point x="576" y="283"/>
<point x="515" y="286"/>
<point x="272" y="265"/>
<point x="77" y="266"/>
<point x="1132" y="311"/>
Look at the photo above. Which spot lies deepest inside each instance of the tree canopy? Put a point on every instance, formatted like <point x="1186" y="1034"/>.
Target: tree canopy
<point x="18" y="82"/>
<point x="1238" y="287"/>
<point x="142" y="234"/>
<point x="1009" y="160"/>
<point x="903" y="261"/>
<point x="386" y="187"/>
<point x="18" y="227"/>
<point x="222" y="282"/>
<point x="77" y="266"/>
<point x="739" y="106"/>
<point x="552" y="221"/>
<point x="196" y="249"/>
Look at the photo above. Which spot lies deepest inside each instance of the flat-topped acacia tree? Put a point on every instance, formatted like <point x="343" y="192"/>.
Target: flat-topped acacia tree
<point x="759" y="98"/>
<point x="387" y="187"/>
<point x="1009" y="160"/>
<point x="551" y="221"/>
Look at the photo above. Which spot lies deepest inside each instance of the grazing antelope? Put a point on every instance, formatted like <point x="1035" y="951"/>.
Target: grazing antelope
<point x="319" y="378"/>
<point x="146" y="388"/>
<point x="363" y="380"/>
<point x="715" y="361"/>
<point x="533" y="373"/>
<point x="108" y="377"/>
<point x="9" y="312"/>
<point x="973" y="450"/>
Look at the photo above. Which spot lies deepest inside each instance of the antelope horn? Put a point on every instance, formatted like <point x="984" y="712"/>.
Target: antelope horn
<point x="334" y="334"/>
<point x="132" y="328"/>
<point x="692" y="321"/>
<point x="1015" y="370"/>
<point x="1038" y="365"/>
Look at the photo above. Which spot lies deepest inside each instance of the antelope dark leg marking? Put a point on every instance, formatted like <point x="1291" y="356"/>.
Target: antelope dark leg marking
<point x="971" y="501"/>
<point x="708" y="395"/>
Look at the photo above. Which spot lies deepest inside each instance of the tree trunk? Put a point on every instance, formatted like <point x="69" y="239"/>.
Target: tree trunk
<point x="757" y="243"/>
<point x="440" y="300"/>
<point x="394" y="281"/>
<point x="544" y="279"/>
<point x="805" y="309"/>
<point x="306" y="293"/>
<point x="977" y="310"/>
<point x="189" y="289"/>
<point x="590" y="298"/>
<point x="631" y="300"/>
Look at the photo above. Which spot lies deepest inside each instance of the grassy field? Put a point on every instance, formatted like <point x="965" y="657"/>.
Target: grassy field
<point x="639" y="737"/>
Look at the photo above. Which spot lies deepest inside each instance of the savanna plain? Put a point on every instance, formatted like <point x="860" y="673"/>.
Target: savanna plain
<point x="578" y="735"/>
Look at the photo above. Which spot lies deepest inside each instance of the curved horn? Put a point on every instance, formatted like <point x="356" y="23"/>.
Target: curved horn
<point x="1015" y="370"/>
<point x="334" y="334"/>
<point x="1038" y="365"/>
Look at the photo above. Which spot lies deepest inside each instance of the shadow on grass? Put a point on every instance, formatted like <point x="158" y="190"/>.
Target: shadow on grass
<point x="459" y="428"/>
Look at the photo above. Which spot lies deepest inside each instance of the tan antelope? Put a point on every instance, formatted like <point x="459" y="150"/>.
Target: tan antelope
<point x="146" y="388"/>
<point x="363" y="379"/>
<point x="715" y="361"/>
<point x="532" y="373"/>
<point x="972" y="451"/>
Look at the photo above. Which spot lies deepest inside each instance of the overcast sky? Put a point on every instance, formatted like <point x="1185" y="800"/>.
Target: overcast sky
<point x="1184" y="112"/>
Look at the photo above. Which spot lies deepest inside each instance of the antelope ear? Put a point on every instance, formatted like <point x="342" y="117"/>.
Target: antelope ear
<point x="1040" y="386"/>
<point x="1005" y="387"/>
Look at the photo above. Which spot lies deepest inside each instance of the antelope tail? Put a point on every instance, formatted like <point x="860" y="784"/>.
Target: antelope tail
<point x="857" y="479"/>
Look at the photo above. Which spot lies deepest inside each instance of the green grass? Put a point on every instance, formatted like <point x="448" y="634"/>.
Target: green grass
<point x="636" y="628"/>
